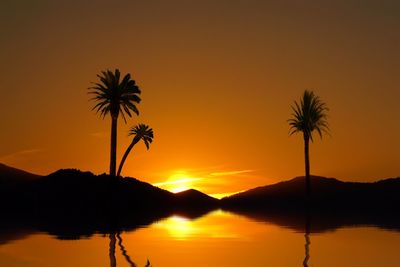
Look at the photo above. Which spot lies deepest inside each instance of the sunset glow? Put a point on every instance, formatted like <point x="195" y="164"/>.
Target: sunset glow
<point x="178" y="182"/>
<point x="206" y="133"/>
<point x="217" y="81"/>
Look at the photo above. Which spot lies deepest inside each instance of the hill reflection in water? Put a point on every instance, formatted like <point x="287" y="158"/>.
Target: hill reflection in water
<point x="14" y="227"/>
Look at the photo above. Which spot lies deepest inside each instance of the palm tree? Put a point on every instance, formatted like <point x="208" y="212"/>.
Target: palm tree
<point x="309" y="115"/>
<point x="141" y="132"/>
<point x="114" y="97"/>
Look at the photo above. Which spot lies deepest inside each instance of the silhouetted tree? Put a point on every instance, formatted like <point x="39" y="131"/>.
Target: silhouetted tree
<point x="141" y="132"/>
<point x="114" y="97"/>
<point x="309" y="115"/>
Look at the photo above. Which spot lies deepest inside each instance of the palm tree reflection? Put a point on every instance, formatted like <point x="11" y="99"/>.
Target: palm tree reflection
<point x="113" y="261"/>
<point x="307" y="241"/>
<point x="124" y="252"/>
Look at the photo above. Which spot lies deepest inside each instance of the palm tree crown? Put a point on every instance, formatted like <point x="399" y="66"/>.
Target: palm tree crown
<point x="309" y="115"/>
<point x="115" y="96"/>
<point x="142" y="132"/>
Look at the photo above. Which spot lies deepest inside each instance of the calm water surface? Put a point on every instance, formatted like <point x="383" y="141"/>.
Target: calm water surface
<point x="217" y="239"/>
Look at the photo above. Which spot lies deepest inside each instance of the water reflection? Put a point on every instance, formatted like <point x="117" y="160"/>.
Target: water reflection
<point x="218" y="239"/>
<point x="113" y="260"/>
<point x="180" y="227"/>
<point x="307" y="248"/>
<point x="307" y="241"/>
<point x="66" y="227"/>
<point x="213" y="226"/>
<point x="112" y="245"/>
<point x="124" y="252"/>
<point x="324" y="221"/>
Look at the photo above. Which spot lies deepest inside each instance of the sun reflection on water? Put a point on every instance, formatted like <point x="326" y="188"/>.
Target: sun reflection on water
<point x="181" y="228"/>
<point x="178" y="227"/>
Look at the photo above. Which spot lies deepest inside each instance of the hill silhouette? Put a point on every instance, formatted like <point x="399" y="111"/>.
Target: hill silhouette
<point x="327" y="194"/>
<point x="12" y="175"/>
<point x="195" y="198"/>
<point x="75" y="191"/>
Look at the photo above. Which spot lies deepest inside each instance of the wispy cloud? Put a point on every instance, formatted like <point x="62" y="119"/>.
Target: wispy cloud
<point x="179" y="181"/>
<point x="228" y="173"/>
<point x="20" y="154"/>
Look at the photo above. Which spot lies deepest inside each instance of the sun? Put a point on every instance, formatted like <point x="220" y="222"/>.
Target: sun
<point x="178" y="182"/>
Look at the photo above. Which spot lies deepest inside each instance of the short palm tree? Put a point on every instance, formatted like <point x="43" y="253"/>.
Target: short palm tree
<point x="141" y="132"/>
<point x="115" y="96"/>
<point x="308" y="116"/>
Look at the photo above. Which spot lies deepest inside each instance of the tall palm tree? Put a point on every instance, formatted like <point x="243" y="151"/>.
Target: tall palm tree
<point x="141" y="132"/>
<point x="115" y="96"/>
<point x="308" y="116"/>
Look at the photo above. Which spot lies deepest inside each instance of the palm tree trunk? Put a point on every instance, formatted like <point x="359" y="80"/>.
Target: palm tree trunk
<point x="307" y="165"/>
<point x="113" y="154"/>
<point x="128" y="150"/>
<point x="308" y="201"/>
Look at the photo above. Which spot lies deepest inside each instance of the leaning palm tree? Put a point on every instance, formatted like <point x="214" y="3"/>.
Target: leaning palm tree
<point x="141" y="132"/>
<point x="114" y="97"/>
<point x="309" y="115"/>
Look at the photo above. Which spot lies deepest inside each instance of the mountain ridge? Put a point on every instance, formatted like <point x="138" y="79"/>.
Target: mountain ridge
<point x="326" y="194"/>
<point x="10" y="174"/>
<point x="289" y="188"/>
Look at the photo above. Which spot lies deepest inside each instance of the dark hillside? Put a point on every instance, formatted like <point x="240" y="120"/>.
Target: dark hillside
<point x="10" y="175"/>
<point x="327" y="194"/>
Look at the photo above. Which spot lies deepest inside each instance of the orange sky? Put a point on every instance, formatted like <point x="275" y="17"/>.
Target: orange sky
<point x="217" y="77"/>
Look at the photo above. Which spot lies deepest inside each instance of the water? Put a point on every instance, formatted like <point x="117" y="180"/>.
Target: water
<point x="216" y="239"/>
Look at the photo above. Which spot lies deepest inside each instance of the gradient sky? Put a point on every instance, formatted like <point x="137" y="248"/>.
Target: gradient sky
<point x="217" y="80"/>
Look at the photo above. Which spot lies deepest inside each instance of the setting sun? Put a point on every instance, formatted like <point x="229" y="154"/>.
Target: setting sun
<point x="178" y="182"/>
